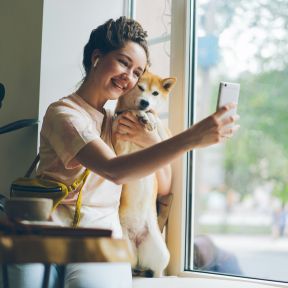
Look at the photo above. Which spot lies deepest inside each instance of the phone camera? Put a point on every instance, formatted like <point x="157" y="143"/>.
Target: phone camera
<point x="225" y="84"/>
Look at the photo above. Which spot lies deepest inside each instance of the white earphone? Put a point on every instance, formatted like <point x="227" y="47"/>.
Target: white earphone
<point x="96" y="62"/>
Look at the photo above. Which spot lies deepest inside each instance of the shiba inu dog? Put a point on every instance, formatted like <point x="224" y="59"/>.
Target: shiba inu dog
<point x="138" y="214"/>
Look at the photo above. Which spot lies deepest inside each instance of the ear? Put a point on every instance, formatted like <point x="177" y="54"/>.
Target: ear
<point x="168" y="83"/>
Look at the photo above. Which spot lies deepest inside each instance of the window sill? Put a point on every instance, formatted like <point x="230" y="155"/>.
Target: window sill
<point x="175" y="282"/>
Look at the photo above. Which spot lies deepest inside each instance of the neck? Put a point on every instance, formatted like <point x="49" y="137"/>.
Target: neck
<point x="90" y="95"/>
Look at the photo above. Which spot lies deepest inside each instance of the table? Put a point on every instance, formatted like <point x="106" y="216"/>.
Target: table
<point x="58" y="245"/>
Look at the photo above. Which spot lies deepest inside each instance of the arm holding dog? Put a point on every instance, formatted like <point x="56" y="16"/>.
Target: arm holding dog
<point x="98" y="157"/>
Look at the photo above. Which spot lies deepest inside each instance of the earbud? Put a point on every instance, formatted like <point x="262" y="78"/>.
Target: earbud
<point x="96" y="62"/>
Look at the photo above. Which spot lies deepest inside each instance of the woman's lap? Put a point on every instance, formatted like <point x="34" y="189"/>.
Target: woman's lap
<point x="96" y="275"/>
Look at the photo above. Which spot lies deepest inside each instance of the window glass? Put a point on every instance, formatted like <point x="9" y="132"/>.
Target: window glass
<point x="155" y="18"/>
<point x="241" y="186"/>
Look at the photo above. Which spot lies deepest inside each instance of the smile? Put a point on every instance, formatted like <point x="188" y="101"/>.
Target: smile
<point x="119" y="85"/>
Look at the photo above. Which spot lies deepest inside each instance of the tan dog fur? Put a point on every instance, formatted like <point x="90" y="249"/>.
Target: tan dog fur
<point x="138" y="214"/>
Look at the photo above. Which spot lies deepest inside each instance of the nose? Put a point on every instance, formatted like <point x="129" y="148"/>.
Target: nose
<point x="128" y="76"/>
<point x="144" y="104"/>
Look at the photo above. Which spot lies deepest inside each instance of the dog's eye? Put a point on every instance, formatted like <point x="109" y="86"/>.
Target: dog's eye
<point x="155" y="93"/>
<point x="141" y="88"/>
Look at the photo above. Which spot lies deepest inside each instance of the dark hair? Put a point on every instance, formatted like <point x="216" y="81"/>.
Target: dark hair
<point x="113" y="35"/>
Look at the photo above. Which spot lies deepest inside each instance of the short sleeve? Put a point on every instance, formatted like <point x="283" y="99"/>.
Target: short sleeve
<point x="68" y="130"/>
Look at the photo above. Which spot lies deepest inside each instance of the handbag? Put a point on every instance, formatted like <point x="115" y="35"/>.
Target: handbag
<point x="44" y="188"/>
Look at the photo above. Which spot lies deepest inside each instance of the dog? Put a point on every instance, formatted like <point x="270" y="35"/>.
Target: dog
<point x="137" y="210"/>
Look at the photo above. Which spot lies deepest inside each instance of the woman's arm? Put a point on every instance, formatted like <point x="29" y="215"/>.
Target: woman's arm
<point x="98" y="157"/>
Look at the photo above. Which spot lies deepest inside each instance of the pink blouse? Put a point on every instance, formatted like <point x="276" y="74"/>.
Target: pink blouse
<point x="68" y="125"/>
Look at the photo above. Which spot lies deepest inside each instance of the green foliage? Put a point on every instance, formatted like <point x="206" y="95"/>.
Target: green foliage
<point x="260" y="150"/>
<point x="281" y="192"/>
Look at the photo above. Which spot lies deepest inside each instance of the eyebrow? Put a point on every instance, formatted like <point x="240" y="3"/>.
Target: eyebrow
<point x="129" y="58"/>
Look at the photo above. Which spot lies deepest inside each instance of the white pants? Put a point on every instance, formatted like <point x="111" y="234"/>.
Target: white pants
<point x="82" y="275"/>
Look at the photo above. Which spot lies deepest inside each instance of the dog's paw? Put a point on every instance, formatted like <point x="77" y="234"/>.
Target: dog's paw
<point x="150" y="126"/>
<point x="143" y="120"/>
<point x="142" y="117"/>
<point x="147" y="273"/>
<point x="147" y="121"/>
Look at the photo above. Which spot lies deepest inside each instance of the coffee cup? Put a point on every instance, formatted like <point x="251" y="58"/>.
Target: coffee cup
<point x="31" y="209"/>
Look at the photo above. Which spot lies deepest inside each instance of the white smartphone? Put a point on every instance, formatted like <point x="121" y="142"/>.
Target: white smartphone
<point x="228" y="92"/>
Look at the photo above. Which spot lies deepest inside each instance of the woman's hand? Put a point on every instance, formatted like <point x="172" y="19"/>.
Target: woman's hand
<point x="130" y="129"/>
<point x="213" y="129"/>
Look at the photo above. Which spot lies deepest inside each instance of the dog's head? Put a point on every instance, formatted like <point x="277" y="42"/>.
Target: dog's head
<point x="150" y="91"/>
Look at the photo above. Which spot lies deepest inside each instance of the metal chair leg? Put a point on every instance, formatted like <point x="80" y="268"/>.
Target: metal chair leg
<point x="47" y="270"/>
<point x="5" y="275"/>
<point x="62" y="269"/>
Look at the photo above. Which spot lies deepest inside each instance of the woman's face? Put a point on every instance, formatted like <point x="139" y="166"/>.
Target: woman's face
<point x="118" y="71"/>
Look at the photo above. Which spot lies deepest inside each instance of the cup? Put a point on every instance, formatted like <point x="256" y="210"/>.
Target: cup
<point x="31" y="209"/>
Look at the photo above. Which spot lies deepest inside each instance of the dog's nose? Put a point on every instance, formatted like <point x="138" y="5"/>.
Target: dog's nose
<point x="144" y="104"/>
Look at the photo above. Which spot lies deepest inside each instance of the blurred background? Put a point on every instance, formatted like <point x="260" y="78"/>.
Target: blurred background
<point x="241" y="187"/>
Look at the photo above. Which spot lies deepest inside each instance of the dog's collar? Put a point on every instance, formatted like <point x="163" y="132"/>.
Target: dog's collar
<point x="118" y="113"/>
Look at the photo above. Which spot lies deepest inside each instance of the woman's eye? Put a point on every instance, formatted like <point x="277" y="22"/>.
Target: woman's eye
<point x="124" y="63"/>
<point x="141" y="88"/>
<point x="155" y="93"/>
<point x="137" y="74"/>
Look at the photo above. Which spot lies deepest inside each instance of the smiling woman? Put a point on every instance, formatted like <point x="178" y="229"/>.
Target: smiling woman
<point x="115" y="57"/>
<point x="113" y="73"/>
<point x="76" y="136"/>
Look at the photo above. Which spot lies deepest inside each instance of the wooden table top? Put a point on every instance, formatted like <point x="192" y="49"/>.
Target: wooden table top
<point x="59" y="245"/>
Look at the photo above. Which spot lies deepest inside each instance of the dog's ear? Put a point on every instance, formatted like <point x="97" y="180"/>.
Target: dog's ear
<point x="168" y="83"/>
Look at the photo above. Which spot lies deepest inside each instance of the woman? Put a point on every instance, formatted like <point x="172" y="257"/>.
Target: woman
<point x="73" y="139"/>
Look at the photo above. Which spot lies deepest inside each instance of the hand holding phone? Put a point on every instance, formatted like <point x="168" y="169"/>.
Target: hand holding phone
<point x="228" y="92"/>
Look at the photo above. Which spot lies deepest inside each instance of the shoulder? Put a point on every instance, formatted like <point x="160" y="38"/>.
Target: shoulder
<point x="65" y="113"/>
<point x="65" y="106"/>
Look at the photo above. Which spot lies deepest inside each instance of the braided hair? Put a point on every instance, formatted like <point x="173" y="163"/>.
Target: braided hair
<point x="113" y="35"/>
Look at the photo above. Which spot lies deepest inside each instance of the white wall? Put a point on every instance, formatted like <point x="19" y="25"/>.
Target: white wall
<point x="66" y="28"/>
<point x="20" y="47"/>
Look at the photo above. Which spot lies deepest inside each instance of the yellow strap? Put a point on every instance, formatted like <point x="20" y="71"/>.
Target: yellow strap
<point x="78" y="181"/>
<point x="77" y="214"/>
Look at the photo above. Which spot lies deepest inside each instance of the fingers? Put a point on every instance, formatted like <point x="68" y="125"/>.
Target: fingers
<point x="129" y="116"/>
<point x="222" y="110"/>
<point x="126" y="122"/>
<point x="124" y="129"/>
<point x="230" y="120"/>
<point x="229" y="132"/>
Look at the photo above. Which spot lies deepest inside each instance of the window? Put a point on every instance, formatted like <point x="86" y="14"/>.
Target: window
<point x="240" y="188"/>
<point x="157" y="23"/>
